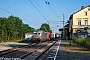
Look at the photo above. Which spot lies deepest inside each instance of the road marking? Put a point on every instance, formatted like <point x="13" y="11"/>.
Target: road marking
<point x="57" y="51"/>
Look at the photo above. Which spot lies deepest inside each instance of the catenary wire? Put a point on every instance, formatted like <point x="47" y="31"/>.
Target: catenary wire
<point x="42" y="10"/>
<point x="15" y="15"/>
<point x="49" y="5"/>
<point x="37" y="10"/>
<point x="16" y="11"/>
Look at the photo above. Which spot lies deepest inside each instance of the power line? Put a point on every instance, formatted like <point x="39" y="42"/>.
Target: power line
<point x="42" y="9"/>
<point x="37" y="9"/>
<point x="14" y="14"/>
<point x="48" y="3"/>
<point x="6" y="11"/>
<point x="16" y="11"/>
<point x="54" y="12"/>
<point x="13" y="9"/>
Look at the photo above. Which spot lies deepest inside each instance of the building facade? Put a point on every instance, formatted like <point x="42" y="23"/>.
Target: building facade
<point x="80" y="20"/>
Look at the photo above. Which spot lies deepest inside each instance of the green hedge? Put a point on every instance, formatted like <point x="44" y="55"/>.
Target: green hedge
<point x="83" y="41"/>
<point x="25" y="41"/>
<point x="19" y="41"/>
<point x="88" y="43"/>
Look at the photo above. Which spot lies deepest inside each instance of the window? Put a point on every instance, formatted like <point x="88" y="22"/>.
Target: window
<point x="86" y="21"/>
<point x="38" y="33"/>
<point x="85" y="13"/>
<point x="79" y="22"/>
<point x="89" y="8"/>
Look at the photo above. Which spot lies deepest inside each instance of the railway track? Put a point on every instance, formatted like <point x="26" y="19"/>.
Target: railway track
<point x="5" y="52"/>
<point x="51" y="53"/>
<point x="30" y="51"/>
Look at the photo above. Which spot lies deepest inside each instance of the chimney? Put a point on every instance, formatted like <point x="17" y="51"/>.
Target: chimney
<point x="82" y="7"/>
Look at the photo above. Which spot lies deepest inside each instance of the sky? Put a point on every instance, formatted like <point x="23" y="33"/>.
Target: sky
<point x="36" y="12"/>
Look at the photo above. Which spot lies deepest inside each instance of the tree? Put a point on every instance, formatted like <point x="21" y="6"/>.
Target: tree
<point x="13" y="28"/>
<point x="45" y="27"/>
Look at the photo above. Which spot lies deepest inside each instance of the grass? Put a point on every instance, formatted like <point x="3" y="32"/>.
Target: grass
<point x="21" y="41"/>
<point x="76" y="48"/>
<point x="25" y="41"/>
<point x="83" y="41"/>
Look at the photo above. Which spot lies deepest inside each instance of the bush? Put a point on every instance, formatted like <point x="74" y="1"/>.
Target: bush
<point x="25" y="41"/>
<point x="83" y="41"/>
<point x="88" y="42"/>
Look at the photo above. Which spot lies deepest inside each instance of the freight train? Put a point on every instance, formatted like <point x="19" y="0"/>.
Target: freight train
<point x="39" y="36"/>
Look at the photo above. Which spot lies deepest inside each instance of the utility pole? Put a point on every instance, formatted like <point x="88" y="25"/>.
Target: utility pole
<point x="63" y="26"/>
<point x="59" y="21"/>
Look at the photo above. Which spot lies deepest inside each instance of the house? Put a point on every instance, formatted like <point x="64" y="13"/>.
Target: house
<point x="80" y="20"/>
<point x="28" y="35"/>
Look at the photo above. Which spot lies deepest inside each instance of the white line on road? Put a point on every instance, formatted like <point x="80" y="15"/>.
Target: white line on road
<point x="57" y="51"/>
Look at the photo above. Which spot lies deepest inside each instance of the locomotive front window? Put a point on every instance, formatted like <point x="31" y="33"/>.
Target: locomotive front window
<point x="35" y="33"/>
<point x="38" y="33"/>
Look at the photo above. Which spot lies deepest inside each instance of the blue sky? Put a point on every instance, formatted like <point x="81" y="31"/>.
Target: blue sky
<point x="31" y="16"/>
